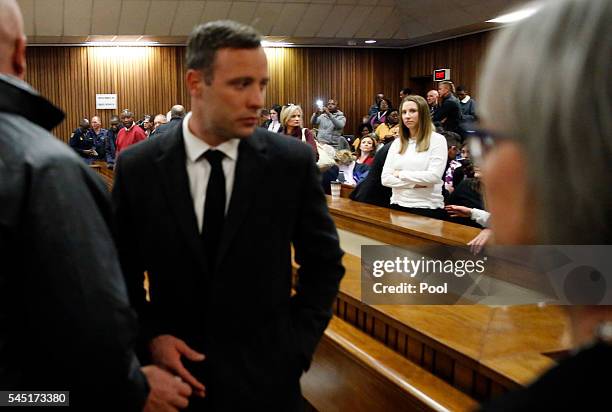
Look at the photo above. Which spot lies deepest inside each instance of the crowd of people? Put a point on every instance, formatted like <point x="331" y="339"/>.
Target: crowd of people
<point x="428" y="170"/>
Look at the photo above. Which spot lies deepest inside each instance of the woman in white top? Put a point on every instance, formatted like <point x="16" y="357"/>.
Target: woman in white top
<point x="416" y="162"/>
<point x="275" y="125"/>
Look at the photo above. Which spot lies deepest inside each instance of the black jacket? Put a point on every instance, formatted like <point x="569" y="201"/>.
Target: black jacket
<point x="371" y="189"/>
<point x="450" y="110"/>
<point x="66" y="322"/>
<point x="257" y="338"/>
<point x="579" y="383"/>
<point x="164" y="128"/>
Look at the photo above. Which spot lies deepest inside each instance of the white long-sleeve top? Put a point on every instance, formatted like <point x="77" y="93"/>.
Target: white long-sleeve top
<point x="416" y="168"/>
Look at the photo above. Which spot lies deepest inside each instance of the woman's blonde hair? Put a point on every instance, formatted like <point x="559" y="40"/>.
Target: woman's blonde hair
<point x="344" y="157"/>
<point x="288" y="112"/>
<point x="426" y="127"/>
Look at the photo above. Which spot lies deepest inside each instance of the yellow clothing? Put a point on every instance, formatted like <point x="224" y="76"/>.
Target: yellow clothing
<point x="384" y="130"/>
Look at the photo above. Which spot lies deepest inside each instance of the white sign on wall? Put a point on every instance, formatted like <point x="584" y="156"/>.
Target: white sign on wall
<point x="106" y="101"/>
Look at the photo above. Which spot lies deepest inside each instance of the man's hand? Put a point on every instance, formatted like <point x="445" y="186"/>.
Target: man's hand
<point x="168" y="393"/>
<point x="458" y="211"/>
<point x="480" y="241"/>
<point x="326" y="110"/>
<point x="166" y="351"/>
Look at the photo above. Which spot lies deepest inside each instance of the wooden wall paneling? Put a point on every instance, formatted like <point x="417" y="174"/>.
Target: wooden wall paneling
<point x="463" y="55"/>
<point x="151" y="79"/>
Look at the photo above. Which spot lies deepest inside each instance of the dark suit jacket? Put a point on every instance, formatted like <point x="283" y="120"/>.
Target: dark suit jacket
<point x="257" y="338"/>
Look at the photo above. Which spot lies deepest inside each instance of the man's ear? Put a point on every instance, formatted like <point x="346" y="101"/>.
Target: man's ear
<point x="19" y="57"/>
<point x="195" y="82"/>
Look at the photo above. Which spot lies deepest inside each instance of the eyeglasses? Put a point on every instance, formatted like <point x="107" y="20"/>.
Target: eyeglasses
<point x="481" y="142"/>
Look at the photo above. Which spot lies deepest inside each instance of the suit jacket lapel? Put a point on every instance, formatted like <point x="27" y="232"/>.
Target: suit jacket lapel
<point x="249" y="169"/>
<point x="175" y="182"/>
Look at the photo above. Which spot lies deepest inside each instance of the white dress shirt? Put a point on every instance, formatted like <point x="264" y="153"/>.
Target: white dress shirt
<point x="198" y="168"/>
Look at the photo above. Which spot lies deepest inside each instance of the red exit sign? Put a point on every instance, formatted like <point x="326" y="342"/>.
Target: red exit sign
<point x="441" y="74"/>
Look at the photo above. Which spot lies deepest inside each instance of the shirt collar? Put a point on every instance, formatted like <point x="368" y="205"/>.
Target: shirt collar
<point x="465" y="99"/>
<point x="196" y="147"/>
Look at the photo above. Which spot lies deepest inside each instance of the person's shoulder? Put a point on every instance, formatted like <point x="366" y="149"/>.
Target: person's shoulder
<point x="437" y="139"/>
<point x="25" y="144"/>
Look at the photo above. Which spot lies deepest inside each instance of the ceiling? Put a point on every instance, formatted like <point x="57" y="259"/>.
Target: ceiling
<point x="393" y="23"/>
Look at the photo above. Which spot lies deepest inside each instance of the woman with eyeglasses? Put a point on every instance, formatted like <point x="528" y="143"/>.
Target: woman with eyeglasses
<point x="547" y="177"/>
<point x="416" y="161"/>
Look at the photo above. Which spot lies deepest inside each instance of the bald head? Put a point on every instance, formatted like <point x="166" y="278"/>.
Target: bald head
<point x="177" y="111"/>
<point x="12" y="39"/>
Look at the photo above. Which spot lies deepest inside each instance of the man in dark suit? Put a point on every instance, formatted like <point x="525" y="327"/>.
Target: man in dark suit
<point x="210" y="212"/>
<point x="177" y="113"/>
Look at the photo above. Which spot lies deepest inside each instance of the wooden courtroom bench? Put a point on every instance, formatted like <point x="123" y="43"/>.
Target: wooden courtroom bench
<point x="107" y="175"/>
<point x="480" y="350"/>
<point x="352" y="371"/>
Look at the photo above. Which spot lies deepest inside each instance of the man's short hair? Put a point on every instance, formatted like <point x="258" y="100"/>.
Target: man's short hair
<point x="126" y="113"/>
<point x="450" y="85"/>
<point x="461" y="89"/>
<point x="406" y="91"/>
<point x="114" y="118"/>
<point x="207" y="38"/>
<point x="452" y="138"/>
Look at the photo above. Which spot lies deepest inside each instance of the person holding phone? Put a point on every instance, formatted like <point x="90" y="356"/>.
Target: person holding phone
<point x="330" y="122"/>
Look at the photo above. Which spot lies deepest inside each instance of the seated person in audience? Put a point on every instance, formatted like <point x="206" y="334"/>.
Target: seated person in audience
<point x="539" y="188"/>
<point x="452" y="164"/>
<point x="264" y="117"/>
<point x="274" y="125"/>
<point x="291" y="121"/>
<point x="83" y="143"/>
<point x="364" y="129"/>
<point x="371" y="190"/>
<point x="379" y="117"/>
<point x="465" y="151"/>
<point x="374" y="108"/>
<point x="352" y="171"/>
<point x="98" y="134"/>
<point x="416" y="162"/>
<point x="330" y="122"/>
<point x="389" y="130"/>
<point x="130" y="133"/>
<point x="367" y="150"/>
<point x="111" y="141"/>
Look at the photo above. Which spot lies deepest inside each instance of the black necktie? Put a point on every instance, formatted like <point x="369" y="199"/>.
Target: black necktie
<point x="214" y="206"/>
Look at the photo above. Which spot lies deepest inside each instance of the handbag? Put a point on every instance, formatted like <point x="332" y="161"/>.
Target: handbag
<point x="326" y="154"/>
